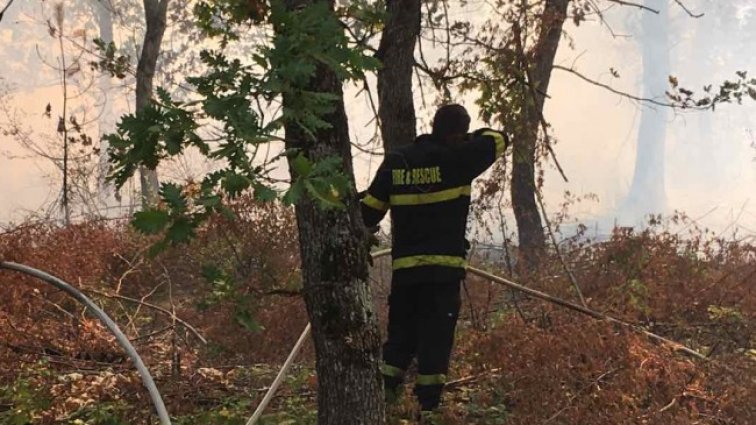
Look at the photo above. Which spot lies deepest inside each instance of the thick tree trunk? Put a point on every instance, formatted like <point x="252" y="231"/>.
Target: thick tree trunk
<point x="396" y="51"/>
<point x="155" y="12"/>
<point x="529" y="225"/>
<point x="335" y="278"/>
<point x="647" y="191"/>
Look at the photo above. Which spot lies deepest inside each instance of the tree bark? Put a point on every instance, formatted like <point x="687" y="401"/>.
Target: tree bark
<point x="155" y="12"/>
<point x="532" y="241"/>
<point x="396" y="107"/>
<point x="335" y="276"/>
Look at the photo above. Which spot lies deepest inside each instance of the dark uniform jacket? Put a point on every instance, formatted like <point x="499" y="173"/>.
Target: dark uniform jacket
<point x="427" y="187"/>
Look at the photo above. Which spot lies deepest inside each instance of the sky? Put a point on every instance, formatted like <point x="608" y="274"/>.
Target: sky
<point x="713" y="181"/>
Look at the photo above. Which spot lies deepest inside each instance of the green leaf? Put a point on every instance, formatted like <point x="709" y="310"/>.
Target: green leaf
<point x="180" y="231"/>
<point x="235" y="183"/>
<point x="295" y="192"/>
<point x="244" y="317"/>
<point x="211" y="273"/>
<point x="301" y="165"/>
<point x="326" y="194"/>
<point x="171" y="194"/>
<point x="264" y="193"/>
<point x="227" y="212"/>
<point x="157" y="248"/>
<point x="151" y="221"/>
<point x="210" y="201"/>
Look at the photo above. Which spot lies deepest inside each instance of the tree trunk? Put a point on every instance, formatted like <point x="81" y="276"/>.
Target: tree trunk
<point x="396" y="107"/>
<point x="106" y="122"/>
<point x="335" y="277"/>
<point x="647" y="191"/>
<point x="529" y="225"/>
<point x="155" y="12"/>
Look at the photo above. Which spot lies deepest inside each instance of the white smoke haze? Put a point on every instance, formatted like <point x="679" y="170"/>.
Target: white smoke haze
<point x="701" y="163"/>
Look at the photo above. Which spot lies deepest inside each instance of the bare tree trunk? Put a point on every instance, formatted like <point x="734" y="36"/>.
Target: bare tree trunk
<point x="63" y="120"/>
<point x="647" y="191"/>
<point x="155" y="12"/>
<point x="106" y="122"/>
<point x="529" y="225"/>
<point x="396" y="51"/>
<point x="335" y="277"/>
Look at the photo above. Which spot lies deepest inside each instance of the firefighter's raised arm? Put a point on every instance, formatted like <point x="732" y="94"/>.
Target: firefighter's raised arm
<point x="375" y="200"/>
<point x="482" y="150"/>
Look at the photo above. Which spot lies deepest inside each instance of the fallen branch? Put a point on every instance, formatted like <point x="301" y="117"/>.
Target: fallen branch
<point x="583" y="390"/>
<point x="189" y="327"/>
<point x="151" y="334"/>
<point x="472" y="378"/>
<point x="585" y="310"/>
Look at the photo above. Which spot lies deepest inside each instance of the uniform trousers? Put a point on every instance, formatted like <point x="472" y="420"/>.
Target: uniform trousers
<point x="421" y="323"/>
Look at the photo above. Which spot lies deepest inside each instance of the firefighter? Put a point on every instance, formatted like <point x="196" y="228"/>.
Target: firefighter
<point x="427" y="187"/>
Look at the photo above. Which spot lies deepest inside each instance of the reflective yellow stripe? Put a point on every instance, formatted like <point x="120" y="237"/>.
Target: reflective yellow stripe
<point x="388" y="370"/>
<point x="501" y="143"/>
<point x="375" y="203"/>
<point x="429" y="260"/>
<point x="430" y="197"/>
<point x="439" y="379"/>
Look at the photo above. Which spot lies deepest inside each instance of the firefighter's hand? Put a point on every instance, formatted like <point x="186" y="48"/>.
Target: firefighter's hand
<point x="370" y="241"/>
<point x="480" y="131"/>
<point x="507" y="141"/>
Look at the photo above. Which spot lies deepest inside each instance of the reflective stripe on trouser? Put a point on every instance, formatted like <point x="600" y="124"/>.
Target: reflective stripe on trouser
<point x="393" y="371"/>
<point x="422" y="319"/>
<point x="393" y="378"/>
<point x="428" y="260"/>
<point x="437" y="379"/>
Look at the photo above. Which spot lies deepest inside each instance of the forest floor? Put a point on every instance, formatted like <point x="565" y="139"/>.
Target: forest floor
<point x="517" y="360"/>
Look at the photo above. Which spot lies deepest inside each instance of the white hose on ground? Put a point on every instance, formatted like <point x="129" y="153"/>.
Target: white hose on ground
<point x="537" y="294"/>
<point x="123" y="341"/>
<point x="280" y="377"/>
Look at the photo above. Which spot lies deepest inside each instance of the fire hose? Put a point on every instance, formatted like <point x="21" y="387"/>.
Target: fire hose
<point x="123" y="341"/>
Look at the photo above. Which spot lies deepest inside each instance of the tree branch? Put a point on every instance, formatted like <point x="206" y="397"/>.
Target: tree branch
<point x="633" y="4"/>
<point x="549" y="228"/>
<point x="5" y="8"/>
<point x="612" y="89"/>
<point x="583" y="390"/>
<point x="688" y="11"/>
<point x="189" y="327"/>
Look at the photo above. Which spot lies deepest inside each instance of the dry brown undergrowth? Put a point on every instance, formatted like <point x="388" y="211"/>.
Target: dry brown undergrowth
<point x="527" y="363"/>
